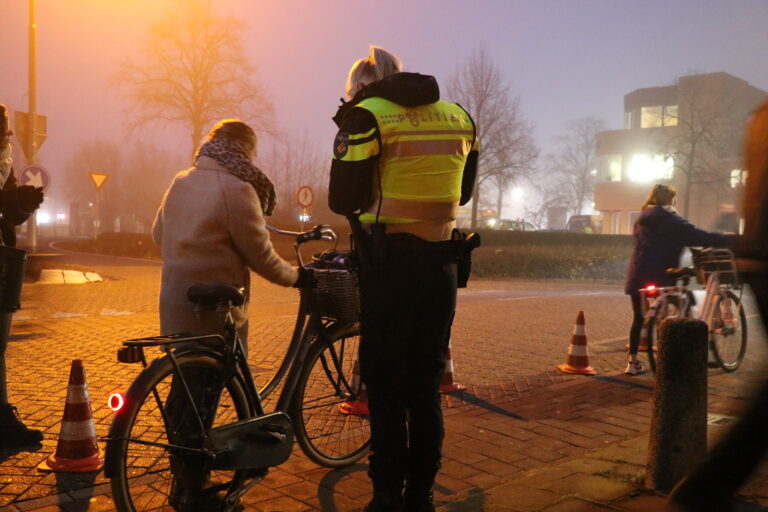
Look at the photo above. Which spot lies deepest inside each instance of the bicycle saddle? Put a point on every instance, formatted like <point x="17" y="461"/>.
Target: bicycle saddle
<point x="679" y="272"/>
<point x="216" y="294"/>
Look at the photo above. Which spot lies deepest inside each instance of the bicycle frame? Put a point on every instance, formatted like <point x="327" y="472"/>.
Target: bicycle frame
<point x="229" y="347"/>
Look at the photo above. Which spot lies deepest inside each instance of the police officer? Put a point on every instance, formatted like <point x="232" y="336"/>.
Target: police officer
<point x="404" y="160"/>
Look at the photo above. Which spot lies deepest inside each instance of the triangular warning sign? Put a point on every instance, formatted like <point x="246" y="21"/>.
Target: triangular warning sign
<point x="98" y="178"/>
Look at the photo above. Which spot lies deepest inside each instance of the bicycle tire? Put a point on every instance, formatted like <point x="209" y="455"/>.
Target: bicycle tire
<point x="140" y="472"/>
<point x="728" y="337"/>
<point x="326" y="435"/>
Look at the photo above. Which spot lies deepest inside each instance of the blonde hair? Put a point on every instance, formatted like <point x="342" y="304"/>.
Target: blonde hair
<point x="379" y="64"/>
<point x="661" y="195"/>
<point x="235" y="131"/>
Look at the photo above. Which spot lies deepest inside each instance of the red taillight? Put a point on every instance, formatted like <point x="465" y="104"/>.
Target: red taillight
<point x="116" y="402"/>
<point x="651" y="290"/>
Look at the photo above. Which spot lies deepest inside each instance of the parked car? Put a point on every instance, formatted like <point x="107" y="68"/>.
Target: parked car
<point x="585" y="224"/>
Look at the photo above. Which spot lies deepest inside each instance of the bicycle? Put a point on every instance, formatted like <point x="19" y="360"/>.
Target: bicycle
<point x="234" y="439"/>
<point x="721" y="310"/>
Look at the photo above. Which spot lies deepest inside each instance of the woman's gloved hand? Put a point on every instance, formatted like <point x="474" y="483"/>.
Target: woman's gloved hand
<point x="306" y="278"/>
<point x="24" y="199"/>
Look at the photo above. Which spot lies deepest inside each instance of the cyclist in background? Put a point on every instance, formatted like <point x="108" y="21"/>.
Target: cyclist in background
<point x="406" y="160"/>
<point x="210" y="228"/>
<point x="659" y="236"/>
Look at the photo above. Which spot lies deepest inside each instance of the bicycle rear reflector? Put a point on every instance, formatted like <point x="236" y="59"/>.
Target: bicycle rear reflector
<point x="651" y="290"/>
<point x="116" y="402"/>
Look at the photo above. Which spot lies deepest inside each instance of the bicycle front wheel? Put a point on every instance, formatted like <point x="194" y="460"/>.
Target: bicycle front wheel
<point x="145" y="433"/>
<point x="328" y="409"/>
<point x="728" y="331"/>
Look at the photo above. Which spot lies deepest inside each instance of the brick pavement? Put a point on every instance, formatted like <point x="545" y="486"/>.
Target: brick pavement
<point x="522" y="437"/>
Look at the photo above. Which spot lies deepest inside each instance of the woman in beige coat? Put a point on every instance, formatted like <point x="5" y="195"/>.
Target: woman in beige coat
<point x="210" y="228"/>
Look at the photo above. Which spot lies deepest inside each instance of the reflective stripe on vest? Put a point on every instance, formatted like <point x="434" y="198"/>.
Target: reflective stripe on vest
<point x="423" y="153"/>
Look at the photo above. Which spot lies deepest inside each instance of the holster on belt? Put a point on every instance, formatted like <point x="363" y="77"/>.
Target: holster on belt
<point x="465" y="244"/>
<point x="361" y="243"/>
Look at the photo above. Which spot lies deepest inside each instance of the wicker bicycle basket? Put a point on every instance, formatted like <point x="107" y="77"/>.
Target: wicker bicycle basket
<point x="336" y="292"/>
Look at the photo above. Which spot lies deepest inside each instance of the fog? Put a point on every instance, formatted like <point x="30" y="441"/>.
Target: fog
<point x="565" y="60"/>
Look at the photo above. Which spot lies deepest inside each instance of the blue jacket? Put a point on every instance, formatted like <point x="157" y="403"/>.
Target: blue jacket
<point x="660" y="235"/>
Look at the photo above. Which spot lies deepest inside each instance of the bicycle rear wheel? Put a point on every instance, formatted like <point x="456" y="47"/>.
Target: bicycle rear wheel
<point x="327" y="409"/>
<point x="139" y="452"/>
<point x="728" y="331"/>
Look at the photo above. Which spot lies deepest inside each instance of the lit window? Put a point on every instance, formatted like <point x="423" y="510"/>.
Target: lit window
<point x="738" y="177"/>
<point x="614" y="168"/>
<point x="670" y="115"/>
<point x="645" y="168"/>
<point x="650" y="117"/>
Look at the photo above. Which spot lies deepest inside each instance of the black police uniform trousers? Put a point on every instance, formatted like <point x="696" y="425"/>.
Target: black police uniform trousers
<point x="407" y="306"/>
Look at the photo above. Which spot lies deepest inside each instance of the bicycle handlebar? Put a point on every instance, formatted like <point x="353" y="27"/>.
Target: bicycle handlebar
<point x="319" y="232"/>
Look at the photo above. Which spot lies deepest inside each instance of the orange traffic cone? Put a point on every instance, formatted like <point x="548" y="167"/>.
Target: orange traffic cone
<point x="77" y="450"/>
<point x="578" y="357"/>
<point x="358" y="407"/>
<point x="643" y="345"/>
<point x="448" y="384"/>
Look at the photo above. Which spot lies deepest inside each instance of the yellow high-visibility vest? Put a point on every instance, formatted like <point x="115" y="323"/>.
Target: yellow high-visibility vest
<point x="422" y="156"/>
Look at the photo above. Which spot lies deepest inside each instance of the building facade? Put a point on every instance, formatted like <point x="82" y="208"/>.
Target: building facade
<point x="688" y="135"/>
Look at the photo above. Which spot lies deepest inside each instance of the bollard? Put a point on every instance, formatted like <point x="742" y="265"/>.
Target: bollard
<point x="678" y="437"/>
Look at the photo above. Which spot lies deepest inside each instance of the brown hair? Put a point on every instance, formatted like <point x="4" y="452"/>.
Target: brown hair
<point x="661" y="195"/>
<point x="4" y="124"/>
<point x="235" y="131"/>
<point x="379" y="64"/>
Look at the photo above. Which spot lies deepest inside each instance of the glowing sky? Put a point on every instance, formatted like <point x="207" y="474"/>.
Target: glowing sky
<point x="566" y="59"/>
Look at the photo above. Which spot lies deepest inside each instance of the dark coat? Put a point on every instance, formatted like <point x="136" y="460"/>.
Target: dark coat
<point x="660" y="235"/>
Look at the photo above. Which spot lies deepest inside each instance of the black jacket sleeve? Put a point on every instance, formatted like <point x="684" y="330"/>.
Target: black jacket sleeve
<point x="693" y="236"/>
<point x="469" y="177"/>
<point x="356" y="151"/>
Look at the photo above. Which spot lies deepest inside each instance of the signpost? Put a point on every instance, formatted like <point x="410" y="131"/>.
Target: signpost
<point x="24" y="133"/>
<point x="98" y="179"/>
<point x="304" y="197"/>
<point x="35" y="175"/>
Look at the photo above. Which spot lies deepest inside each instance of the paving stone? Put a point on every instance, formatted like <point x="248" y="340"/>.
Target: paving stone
<point x="522" y="498"/>
<point x="577" y="505"/>
<point x="590" y="487"/>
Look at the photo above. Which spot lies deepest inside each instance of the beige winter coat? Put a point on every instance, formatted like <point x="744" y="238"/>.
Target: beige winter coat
<point x="210" y="229"/>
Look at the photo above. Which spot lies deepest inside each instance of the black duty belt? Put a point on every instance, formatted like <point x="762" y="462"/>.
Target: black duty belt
<point x="404" y="244"/>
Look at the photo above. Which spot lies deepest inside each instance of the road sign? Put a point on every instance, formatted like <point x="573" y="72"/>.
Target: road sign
<point x="35" y="175"/>
<point x="23" y="131"/>
<point x="304" y="196"/>
<point x="98" y="179"/>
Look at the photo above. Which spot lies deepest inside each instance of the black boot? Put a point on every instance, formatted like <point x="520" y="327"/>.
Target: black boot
<point x="385" y="501"/>
<point x="13" y="433"/>
<point x="418" y="500"/>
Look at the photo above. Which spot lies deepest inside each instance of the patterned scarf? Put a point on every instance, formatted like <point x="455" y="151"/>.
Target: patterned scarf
<point x="234" y="158"/>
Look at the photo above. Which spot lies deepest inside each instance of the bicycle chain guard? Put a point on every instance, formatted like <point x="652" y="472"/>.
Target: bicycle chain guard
<point x="260" y="442"/>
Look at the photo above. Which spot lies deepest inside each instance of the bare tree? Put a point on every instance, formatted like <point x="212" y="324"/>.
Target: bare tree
<point x="147" y="173"/>
<point x="507" y="152"/>
<point x="193" y="71"/>
<point x="96" y="156"/>
<point x="708" y="129"/>
<point x="573" y="165"/>
<point x="292" y="164"/>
